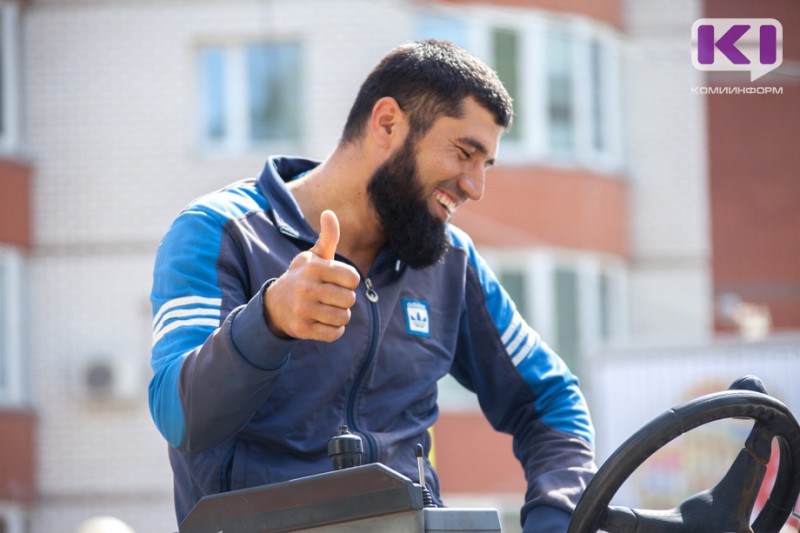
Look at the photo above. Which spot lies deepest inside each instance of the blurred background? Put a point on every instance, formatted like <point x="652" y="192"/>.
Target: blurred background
<point x="647" y="227"/>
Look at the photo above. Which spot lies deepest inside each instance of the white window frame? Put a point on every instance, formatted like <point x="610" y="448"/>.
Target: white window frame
<point x="539" y="266"/>
<point x="237" y="121"/>
<point x="611" y="156"/>
<point x="532" y="26"/>
<point x="9" y="33"/>
<point x="12" y="392"/>
<point x="14" y="517"/>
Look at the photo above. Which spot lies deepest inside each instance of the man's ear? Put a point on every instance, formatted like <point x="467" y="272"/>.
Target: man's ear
<point x="387" y="123"/>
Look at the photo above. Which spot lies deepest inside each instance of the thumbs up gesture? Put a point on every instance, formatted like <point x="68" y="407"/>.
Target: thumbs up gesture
<point x="312" y="299"/>
<point x="325" y="248"/>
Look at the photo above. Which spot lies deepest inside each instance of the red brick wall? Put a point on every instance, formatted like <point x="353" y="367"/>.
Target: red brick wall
<point x="472" y="458"/>
<point x="552" y="207"/>
<point x="17" y="479"/>
<point x="754" y="176"/>
<point x="607" y="11"/>
<point x="15" y="204"/>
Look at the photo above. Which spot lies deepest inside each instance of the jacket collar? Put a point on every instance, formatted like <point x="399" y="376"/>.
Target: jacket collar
<point x="283" y="208"/>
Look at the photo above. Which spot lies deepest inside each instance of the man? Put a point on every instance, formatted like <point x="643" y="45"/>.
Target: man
<point x="336" y="292"/>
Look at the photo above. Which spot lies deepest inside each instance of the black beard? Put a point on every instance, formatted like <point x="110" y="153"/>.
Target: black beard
<point x="413" y="233"/>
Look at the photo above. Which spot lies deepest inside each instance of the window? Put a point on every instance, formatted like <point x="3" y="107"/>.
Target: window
<point x="11" y="320"/>
<point x="435" y="26"/>
<point x="566" y="309"/>
<point x="562" y="73"/>
<point x="581" y="110"/>
<point x="560" y="109"/>
<point x="515" y="284"/>
<point x="599" y="117"/>
<point x="505" y="58"/>
<point x="576" y="301"/>
<point x="582" y="95"/>
<point x="250" y="96"/>
<point x="214" y="97"/>
<point x="273" y="79"/>
<point x="9" y="76"/>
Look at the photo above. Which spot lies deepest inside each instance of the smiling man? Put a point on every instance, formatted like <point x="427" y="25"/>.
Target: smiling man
<point x="337" y="292"/>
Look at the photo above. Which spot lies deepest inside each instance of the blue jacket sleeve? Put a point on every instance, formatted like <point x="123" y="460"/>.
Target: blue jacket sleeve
<point x="213" y="357"/>
<point x="524" y="389"/>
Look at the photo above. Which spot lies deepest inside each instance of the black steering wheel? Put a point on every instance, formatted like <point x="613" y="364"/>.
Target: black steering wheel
<point x="724" y="508"/>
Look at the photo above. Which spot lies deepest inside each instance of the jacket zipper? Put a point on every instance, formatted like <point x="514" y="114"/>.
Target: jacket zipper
<point x="372" y="296"/>
<point x="371" y="447"/>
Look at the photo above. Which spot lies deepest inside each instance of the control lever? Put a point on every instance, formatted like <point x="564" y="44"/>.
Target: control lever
<point x="427" y="499"/>
<point x="345" y="449"/>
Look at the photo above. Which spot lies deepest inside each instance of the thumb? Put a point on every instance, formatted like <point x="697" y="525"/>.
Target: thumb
<point x="325" y="247"/>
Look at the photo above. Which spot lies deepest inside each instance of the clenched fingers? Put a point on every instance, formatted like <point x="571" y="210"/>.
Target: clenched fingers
<point x="312" y="299"/>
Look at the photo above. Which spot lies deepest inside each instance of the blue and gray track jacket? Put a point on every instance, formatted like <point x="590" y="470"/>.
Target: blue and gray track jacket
<point x="241" y="407"/>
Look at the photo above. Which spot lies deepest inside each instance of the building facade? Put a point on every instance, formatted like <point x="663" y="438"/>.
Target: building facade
<point x="17" y="414"/>
<point x="115" y="114"/>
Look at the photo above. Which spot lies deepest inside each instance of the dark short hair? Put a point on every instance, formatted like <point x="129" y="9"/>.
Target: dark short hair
<point x="429" y="79"/>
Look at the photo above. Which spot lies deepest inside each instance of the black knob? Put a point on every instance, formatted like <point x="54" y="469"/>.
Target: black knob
<point x="749" y="382"/>
<point x="345" y="449"/>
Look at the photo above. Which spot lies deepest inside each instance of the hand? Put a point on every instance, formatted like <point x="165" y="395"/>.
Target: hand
<point x="312" y="299"/>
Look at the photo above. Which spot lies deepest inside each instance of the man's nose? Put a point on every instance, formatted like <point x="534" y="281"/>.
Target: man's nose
<point x="473" y="182"/>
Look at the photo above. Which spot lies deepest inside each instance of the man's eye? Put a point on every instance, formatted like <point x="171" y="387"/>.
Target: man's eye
<point x="464" y="154"/>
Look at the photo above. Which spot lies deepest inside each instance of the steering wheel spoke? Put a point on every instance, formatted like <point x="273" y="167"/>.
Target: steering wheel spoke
<point x="626" y="520"/>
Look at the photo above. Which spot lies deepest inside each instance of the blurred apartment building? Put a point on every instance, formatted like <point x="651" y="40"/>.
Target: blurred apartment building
<point x="626" y="210"/>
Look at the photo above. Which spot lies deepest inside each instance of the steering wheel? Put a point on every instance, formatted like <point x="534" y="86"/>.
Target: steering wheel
<point x="726" y="507"/>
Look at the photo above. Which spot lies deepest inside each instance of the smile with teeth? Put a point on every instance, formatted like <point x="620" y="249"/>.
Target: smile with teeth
<point x="445" y="201"/>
